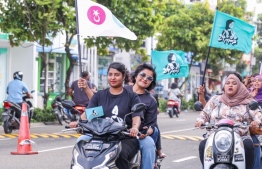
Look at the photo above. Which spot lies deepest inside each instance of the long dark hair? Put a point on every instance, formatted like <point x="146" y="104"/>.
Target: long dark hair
<point x="119" y="67"/>
<point x="142" y="67"/>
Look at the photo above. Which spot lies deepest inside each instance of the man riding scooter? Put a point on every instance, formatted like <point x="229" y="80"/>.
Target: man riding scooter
<point x="15" y="91"/>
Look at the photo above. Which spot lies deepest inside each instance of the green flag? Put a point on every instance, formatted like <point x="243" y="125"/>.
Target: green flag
<point x="170" y="64"/>
<point x="229" y="32"/>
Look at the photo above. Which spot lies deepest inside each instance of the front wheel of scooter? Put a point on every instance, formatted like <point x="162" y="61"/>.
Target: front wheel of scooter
<point x="59" y="117"/>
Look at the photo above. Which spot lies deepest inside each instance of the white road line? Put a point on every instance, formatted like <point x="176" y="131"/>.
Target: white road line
<point x="175" y="131"/>
<point x="181" y="120"/>
<point x="5" y="139"/>
<point x="59" y="148"/>
<point x="184" y="159"/>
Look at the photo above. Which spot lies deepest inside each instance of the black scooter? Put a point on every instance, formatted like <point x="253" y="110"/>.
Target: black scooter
<point x="10" y="121"/>
<point x="102" y="145"/>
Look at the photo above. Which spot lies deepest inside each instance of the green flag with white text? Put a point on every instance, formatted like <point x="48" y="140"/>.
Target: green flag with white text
<point x="229" y="32"/>
<point x="170" y="64"/>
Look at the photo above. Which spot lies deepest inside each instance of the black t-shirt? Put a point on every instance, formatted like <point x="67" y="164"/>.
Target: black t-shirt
<point x="150" y="113"/>
<point x="116" y="106"/>
<point x="80" y="96"/>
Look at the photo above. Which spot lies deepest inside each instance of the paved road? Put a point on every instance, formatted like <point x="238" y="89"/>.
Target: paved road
<point x="179" y="142"/>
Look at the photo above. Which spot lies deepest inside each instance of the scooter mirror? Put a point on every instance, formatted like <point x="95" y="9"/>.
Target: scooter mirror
<point x="198" y="106"/>
<point x="138" y="107"/>
<point x="253" y="105"/>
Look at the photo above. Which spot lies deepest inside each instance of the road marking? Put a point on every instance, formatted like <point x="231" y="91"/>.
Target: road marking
<point x="181" y="137"/>
<point x="184" y="159"/>
<point x="175" y="131"/>
<point x="41" y="135"/>
<point x="53" y="149"/>
<point x="181" y="120"/>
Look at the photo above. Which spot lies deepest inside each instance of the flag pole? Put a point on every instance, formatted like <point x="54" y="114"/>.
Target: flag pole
<point x="208" y="53"/>
<point x="209" y="47"/>
<point x="78" y="40"/>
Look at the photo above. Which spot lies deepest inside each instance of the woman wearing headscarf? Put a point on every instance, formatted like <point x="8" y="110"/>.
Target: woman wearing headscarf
<point x="233" y="105"/>
<point x="257" y="95"/>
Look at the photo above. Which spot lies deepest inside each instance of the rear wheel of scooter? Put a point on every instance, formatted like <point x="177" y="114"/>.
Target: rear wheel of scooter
<point x="176" y="112"/>
<point x="59" y="117"/>
<point x="171" y="113"/>
<point x="7" y="127"/>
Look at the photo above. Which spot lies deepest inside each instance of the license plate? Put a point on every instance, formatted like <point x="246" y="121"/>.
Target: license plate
<point x="223" y="158"/>
<point x="93" y="146"/>
<point x="4" y="114"/>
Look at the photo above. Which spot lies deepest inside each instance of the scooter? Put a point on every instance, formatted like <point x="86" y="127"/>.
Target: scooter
<point x="74" y="111"/>
<point x="59" y="111"/>
<point x="224" y="147"/>
<point x="172" y="108"/>
<point x="102" y="145"/>
<point x="10" y="121"/>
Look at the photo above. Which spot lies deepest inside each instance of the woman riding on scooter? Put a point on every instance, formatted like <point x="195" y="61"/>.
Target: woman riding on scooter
<point x="117" y="102"/>
<point x="233" y="105"/>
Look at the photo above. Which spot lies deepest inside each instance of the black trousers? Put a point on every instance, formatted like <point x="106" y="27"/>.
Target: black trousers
<point x="158" y="143"/>
<point x="130" y="147"/>
<point x="249" y="152"/>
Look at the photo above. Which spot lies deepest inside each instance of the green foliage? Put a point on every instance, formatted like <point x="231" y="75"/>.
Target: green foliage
<point x="162" y="104"/>
<point x="259" y="30"/>
<point x="258" y="56"/>
<point x="43" y="115"/>
<point x="187" y="105"/>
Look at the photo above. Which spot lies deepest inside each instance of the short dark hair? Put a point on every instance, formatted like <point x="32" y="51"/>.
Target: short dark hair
<point x="84" y="74"/>
<point x="254" y="74"/>
<point x="173" y="86"/>
<point x="142" y="67"/>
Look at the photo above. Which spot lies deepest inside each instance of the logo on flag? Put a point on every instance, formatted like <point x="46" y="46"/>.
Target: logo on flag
<point x="97" y="20"/>
<point x="94" y="112"/>
<point x="229" y="32"/>
<point x="170" y="64"/>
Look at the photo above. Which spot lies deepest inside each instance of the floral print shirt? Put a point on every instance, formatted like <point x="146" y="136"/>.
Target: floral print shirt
<point x="238" y="114"/>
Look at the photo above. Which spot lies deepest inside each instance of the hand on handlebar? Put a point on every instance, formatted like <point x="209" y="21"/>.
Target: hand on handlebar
<point x="199" y="124"/>
<point x="73" y="124"/>
<point x="133" y="132"/>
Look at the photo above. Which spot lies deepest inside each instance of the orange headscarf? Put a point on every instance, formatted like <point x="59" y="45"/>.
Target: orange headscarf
<point x="242" y="95"/>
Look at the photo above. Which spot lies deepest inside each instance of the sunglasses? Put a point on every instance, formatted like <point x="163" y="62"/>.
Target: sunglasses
<point x="149" y="78"/>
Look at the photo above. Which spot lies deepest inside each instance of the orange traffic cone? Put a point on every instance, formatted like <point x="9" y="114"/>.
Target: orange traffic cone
<point x="24" y="146"/>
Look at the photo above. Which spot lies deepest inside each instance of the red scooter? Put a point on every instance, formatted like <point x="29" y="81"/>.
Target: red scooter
<point x="172" y="108"/>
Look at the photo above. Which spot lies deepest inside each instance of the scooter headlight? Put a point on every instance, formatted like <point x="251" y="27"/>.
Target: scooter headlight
<point x="223" y="140"/>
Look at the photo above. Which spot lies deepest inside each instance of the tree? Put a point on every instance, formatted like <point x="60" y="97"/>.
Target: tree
<point x="259" y="30"/>
<point x="189" y="29"/>
<point x="258" y="56"/>
<point x="33" y="21"/>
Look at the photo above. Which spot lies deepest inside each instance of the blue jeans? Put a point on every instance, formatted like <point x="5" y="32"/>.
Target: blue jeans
<point x="148" y="151"/>
<point x="257" y="152"/>
<point x="154" y="136"/>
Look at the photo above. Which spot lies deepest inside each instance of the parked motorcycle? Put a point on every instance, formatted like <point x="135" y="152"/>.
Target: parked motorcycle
<point x="74" y="111"/>
<point x="224" y="148"/>
<point x="172" y="108"/>
<point x="102" y="146"/>
<point x="10" y="121"/>
<point x="59" y="111"/>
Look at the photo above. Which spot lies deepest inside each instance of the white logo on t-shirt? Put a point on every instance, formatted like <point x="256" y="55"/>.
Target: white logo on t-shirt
<point x="115" y="113"/>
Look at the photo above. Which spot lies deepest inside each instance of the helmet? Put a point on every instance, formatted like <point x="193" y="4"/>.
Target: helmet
<point x="18" y="75"/>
